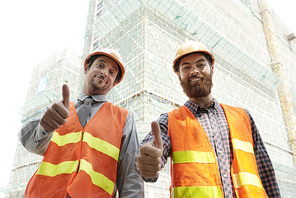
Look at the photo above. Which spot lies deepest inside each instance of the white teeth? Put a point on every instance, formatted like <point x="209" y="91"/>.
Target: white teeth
<point x="193" y="80"/>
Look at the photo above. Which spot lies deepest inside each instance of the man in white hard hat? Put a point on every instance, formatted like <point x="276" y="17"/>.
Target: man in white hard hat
<point x="89" y="145"/>
<point x="215" y="149"/>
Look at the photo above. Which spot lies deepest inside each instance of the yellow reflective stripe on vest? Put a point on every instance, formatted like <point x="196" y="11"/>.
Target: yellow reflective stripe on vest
<point x="244" y="146"/>
<point x="62" y="140"/>
<point x="97" y="179"/>
<point x="245" y="178"/>
<point x="101" y="145"/>
<point x="193" y="156"/>
<point x="52" y="170"/>
<point x="196" y="192"/>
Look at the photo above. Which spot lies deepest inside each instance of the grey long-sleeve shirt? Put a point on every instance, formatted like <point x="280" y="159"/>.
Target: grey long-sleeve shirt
<point x="128" y="183"/>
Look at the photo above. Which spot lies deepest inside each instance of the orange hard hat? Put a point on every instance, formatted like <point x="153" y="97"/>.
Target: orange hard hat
<point x="189" y="47"/>
<point x="111" y="53"/>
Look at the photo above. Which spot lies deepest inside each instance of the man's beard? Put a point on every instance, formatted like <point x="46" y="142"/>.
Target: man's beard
<point x="198" y="90"/>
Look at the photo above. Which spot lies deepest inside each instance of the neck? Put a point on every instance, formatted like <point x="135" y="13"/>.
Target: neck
<point x="87" y="92"/>
<point x="203" y="101"/>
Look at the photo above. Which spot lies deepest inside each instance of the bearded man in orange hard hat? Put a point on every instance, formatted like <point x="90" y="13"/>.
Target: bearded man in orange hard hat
<point x="215" y="149"/>
<point x="89" y="145"/>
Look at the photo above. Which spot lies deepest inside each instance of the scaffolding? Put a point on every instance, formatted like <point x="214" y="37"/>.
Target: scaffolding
<point x="284" y="93"/>
<point x="147" y="34"/>
<point x="47" y="79"/>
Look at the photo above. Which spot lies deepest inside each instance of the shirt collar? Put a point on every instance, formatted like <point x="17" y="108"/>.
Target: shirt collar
<point x="193" y="107"/>
<point x="96" y="98"/>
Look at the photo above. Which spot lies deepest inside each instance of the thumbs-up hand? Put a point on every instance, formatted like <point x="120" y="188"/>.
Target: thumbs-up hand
<point x="150" y="154"/>
<point x="58" y="113"/>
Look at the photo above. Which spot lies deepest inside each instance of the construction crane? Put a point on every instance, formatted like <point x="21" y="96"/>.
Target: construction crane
<point x="278" y="67"/>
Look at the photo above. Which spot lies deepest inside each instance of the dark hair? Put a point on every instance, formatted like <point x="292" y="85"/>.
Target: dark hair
<point x="207" y="56"/>
<point x="93" y="58"/>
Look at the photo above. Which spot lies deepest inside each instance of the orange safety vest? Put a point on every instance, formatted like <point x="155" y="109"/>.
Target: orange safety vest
<point x="194" y="169"/>
<point x="81" y="161"/>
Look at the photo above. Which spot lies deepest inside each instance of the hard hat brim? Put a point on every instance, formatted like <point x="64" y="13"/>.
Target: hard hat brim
<point x="192" y="52"/>
<point x="189" y="47"/>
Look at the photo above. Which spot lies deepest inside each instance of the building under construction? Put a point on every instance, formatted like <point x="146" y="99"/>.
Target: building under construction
<point x="255" y="69"/>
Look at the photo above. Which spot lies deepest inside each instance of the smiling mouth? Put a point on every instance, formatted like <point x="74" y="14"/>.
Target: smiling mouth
<point x="195" y="80"/>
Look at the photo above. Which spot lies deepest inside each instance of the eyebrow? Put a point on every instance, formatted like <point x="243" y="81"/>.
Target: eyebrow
<point x="201" y="60"/>
<point x="114" y="67"/>
<point x="103" y="61"/>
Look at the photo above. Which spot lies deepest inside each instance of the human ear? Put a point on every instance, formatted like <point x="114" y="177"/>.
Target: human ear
<point x="178" y="74"/>
<point x="86" y="68"/>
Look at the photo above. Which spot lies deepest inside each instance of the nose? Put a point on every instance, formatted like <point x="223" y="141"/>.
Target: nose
<point x="103" y="73"/>
<point x="194" y="72"/>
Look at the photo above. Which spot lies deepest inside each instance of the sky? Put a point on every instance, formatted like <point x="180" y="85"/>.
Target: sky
<point x="32" y="30"/>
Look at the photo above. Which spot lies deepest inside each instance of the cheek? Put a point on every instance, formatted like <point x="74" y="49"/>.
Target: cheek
<point x="183" y="76"/>
<point x="111" y="79"/>
<point x="207" y="73"/>
<point x="86" y="76"/>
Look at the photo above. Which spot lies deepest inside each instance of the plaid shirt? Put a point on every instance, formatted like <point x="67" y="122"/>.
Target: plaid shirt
<point x="214" y="123"/>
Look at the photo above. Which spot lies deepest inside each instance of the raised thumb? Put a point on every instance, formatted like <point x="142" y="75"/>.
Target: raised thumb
<point x="156" y="135"/>
<point x="66" y="96"/>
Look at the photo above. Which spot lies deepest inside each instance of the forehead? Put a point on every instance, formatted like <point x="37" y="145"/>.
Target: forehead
<point x="194" y="57"/>
<point x="107" y="60"/>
